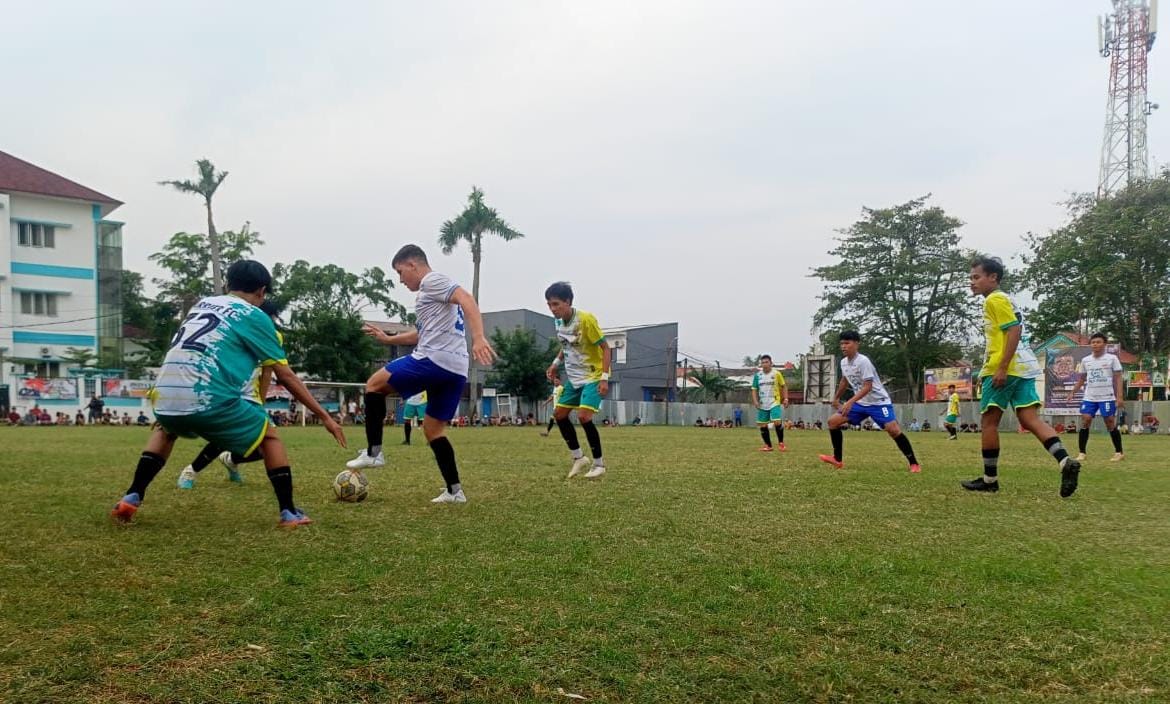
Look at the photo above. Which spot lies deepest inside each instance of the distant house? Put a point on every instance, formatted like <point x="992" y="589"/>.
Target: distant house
<point x="60" y="269"/>
<point x="1064" y="340"/>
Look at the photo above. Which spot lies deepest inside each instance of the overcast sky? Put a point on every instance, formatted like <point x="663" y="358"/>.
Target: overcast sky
<point x="676" y="161"/>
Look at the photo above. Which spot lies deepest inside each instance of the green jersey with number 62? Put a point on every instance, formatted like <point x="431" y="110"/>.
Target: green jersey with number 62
<point x="213" y="355"/>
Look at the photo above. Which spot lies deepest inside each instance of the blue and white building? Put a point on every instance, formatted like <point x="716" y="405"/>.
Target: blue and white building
<point x="60" y="272"/>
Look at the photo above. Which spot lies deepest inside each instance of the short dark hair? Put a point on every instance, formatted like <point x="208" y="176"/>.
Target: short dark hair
<point x="850" y="335"/>
<point x="766" y="356"/>
<point x="989" y="265"/>
<point x="270" y="307"/>
<point x="561" y="291"/>
<point x="248" y="276"/>
<point x="410" y="251"/>
<point x="1101" y="335"/>
<point x="950" y="386"/>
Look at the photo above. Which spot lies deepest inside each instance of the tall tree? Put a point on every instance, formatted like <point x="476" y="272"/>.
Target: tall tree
<point x="325" y="304"/>
<point x="520" y="366"/>
<point x="1107" y="269"/>
<point x="470" y="226"/>
<point x="206" y="186"/>
<point x="186" y="259"/>
<point x="154" y="322"/>
<point x="901" y="279"/>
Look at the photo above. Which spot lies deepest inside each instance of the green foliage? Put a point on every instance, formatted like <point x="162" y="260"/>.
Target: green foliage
<point x="323" y="306"/>
<point x="205" y="187"/>
<point x="901" y="280"/>
<point x="154" y="320"/>
<point x="713" y="386"/>
<point x="470" y="225"/>
<point x="79" y="356"/>
<point x="1107" y="269"/>
<point x="187" y="259"/>
<point x="520" y="368"/>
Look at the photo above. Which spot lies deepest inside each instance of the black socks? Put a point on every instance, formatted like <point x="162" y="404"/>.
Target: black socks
<point x="1115" y="436"/>
<point x="838" y="439"/>
<point x="764" y="434"/>
<point x="375" y="415"/>
<point x="1055" y="449"/>
<point x="445" y="457"/>
<point x="991" y="465"/>
<point x="593" y="438"/>
<point x="1083" y="439"/>
<point x="149" y="465"/>
<point x="281" y="479"/>
<point x="780" y="433"/>
<point x="206" y="455"/>
<point x="406" y="428"/>
<point x="569" y="433"/>
<point x="903" y="444"/>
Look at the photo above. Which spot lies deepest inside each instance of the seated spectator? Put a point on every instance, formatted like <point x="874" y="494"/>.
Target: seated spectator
<point x="1151" y="423"/>
<point x="126" y="420"/>
<point x="698" y="422"/>
<point x="31" y="417"/>
<point x="637" y="420"/>
<point x="817" y="425"/>
<point x="142" y="419"/>
<point x="915" y="426"/>
<point x="1059" y="427"/>
<point x="926" y="426"/>
<point x="79" y="419"/>
<point x="13" y="417"/>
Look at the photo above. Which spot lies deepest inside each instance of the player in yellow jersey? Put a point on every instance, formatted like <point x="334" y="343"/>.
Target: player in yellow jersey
<point x="587" y="359"/>
<point x="952" y="413"/>
<point x="1009" y="381"/>
<point x="770" y="397"/>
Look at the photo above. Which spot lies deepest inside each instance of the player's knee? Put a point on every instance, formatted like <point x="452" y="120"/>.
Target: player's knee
<point x="584" y="416"/>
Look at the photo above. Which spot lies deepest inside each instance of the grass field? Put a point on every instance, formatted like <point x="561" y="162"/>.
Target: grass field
<point x="696" y="570"/>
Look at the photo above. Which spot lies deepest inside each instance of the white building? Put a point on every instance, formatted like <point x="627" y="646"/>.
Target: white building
<point x="60" y="272"/>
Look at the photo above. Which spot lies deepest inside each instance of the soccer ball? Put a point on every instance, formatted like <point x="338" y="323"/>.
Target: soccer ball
<point x="351" y="486"/>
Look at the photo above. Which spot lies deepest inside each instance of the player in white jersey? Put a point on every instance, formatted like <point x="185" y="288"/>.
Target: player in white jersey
<point x="869" y="400"/>
<point x="1100" y="374"/>
<point x="446" y="315"/>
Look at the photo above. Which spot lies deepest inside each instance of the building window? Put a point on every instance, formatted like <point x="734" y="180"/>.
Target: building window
<point x="33" y="234"/>
<point x="45" y="370"/>
<point x="37" y="303"/>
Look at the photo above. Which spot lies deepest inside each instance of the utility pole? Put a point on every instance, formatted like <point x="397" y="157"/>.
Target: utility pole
<point x="671" y="376"/>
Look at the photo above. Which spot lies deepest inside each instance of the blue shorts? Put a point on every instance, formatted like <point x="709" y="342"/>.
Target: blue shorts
<point x="880" y="414"/>
<point x="410" y="376"/>
<point x="1107" y="409"/>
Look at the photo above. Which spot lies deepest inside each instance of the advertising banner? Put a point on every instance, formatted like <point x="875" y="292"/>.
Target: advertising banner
<point x="937" y="381"/>
<point x="1141" y="380"/>
<point x="46" y="389"/>
<point x="126" y="388"/>
<point x="1060" y="375"/>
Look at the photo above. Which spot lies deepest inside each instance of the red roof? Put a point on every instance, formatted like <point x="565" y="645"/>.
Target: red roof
<point x="20" y="176"/>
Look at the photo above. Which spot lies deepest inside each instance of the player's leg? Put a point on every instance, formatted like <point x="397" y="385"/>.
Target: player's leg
<point x="949" y="423"/>
<point x="279" y="470"/>
<point x="443" y="394"/>
<point x="1088" y="410"/>
<point x="992" y="407"/>
<point x="1027" y="405"/>
<point x="205" y="457"/>
<point x="590" y="404"/>
<point x="837" y="438"/>
<point x="377" y="388"/>
<point x="552" y="420"/>
<point x="889" y="423"/>
<point x="776" y="422"/>
<point x="1109" y="415"/>
<point x="569" y="400"/>
<point x="150" y="463"/>
<point x="406" y="424"/>
<point x="763" y="417"/>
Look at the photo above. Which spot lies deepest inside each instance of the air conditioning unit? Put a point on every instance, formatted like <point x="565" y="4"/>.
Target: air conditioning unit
<point x="619" y="342"/>
<point x="46" y="352"/>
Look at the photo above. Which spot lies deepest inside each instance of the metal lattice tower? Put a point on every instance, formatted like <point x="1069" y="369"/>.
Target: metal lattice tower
<point x="1125" y="38"/>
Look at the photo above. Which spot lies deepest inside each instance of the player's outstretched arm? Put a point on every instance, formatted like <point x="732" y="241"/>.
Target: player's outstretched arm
<point x="481" y="349"/>
<point x="407" y="338"/>
<point x="289" y="380"/>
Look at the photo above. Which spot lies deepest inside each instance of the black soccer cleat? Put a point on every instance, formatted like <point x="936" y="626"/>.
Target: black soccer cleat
<point x="1069" y="474"/>
<point x="980" y="485"/>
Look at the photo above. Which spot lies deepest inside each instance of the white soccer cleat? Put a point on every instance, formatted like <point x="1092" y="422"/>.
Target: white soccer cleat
<point x="1081" y="457"/>
<point x="363" y="461"/>
<point x="448" y="498"/>
<point x="226" y="458"/>
<point x="1117" y="457"/>
<point x="597" y="471"/>
<point x="579" y="466"/>
<point x="187" y="478"/>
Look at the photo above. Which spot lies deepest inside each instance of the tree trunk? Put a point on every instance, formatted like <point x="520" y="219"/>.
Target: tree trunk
<point x="213" y="242"/>
<point x="472" y="370"/>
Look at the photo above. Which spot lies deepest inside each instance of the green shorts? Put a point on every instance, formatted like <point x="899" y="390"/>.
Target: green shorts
<point x="1016" y="393"/>
<point x="414" y="410"/>
<point x="765" y="416"/>
<point x="951" y="419"/>
<point x="237" y="427"/>
<point x="587" y="397"/>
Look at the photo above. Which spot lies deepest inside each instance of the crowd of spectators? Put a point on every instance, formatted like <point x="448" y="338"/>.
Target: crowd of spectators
<point x="35" y="415"/>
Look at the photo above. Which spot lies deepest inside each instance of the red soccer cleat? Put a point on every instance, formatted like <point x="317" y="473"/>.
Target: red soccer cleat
<point x="782" y="447"/>
<point x="829" y="459"/>
<point x="765" y="448"/>
<point x="915" y="469"/>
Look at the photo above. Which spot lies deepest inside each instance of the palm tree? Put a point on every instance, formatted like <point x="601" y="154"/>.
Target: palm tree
<point x="713" y="385"/>
<point x="206" y="186"/>
<point x="470" y="226"/>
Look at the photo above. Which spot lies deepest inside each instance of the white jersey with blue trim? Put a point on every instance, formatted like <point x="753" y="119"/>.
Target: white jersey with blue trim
<point x="441" y="337"/>
<point x="859" y="370"/>
<point x="1099" y="373"/>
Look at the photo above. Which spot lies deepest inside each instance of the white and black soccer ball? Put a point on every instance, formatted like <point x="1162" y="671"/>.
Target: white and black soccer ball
<point x="351" y="485"/>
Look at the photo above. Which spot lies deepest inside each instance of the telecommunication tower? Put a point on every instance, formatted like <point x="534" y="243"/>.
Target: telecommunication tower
<point x="1125" y="37"/>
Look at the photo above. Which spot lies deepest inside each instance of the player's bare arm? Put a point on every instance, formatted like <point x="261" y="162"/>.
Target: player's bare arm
<point x="606" y="354"/>
<point x="289" y="380"/>
<point x="408" y="338"/>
